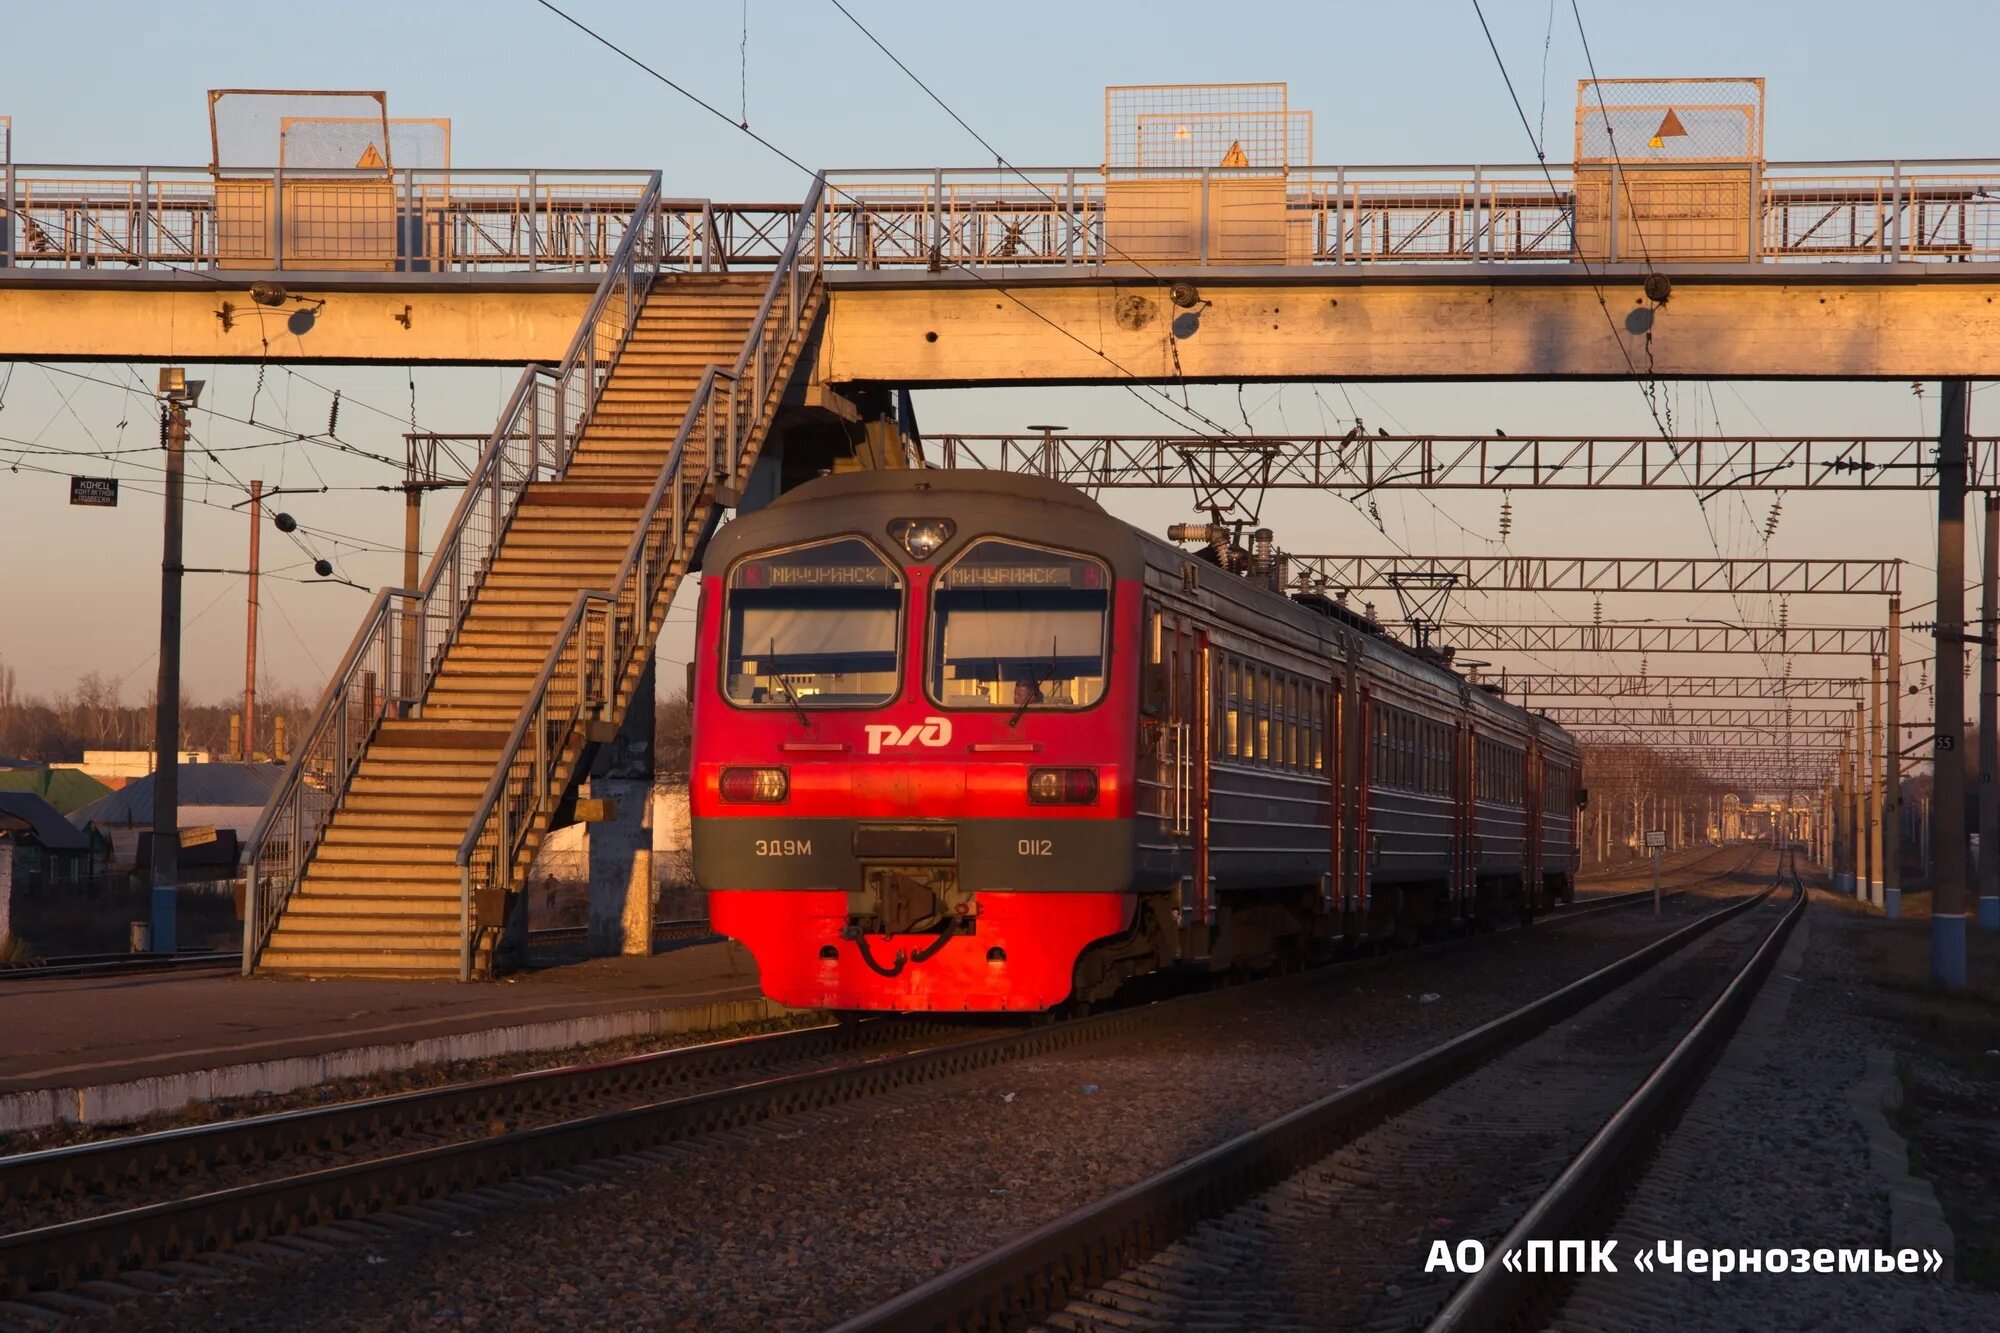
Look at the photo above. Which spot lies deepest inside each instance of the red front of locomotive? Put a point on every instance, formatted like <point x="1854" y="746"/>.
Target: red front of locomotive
<point x="913" y="743"/>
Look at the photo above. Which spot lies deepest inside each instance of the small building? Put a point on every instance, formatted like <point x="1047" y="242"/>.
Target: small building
<point x="39" y="849"/>
<point x="67" y="789"/>
<point x="115" y="768"/>
<point x="217" y="796"/>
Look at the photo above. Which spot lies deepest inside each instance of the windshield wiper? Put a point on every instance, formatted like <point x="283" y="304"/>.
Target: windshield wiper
<point x="1035" y="684"/>
<point x="804" y="719"/>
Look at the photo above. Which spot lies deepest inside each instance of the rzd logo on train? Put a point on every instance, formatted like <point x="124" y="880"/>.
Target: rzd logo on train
<point x="932" y="732"/>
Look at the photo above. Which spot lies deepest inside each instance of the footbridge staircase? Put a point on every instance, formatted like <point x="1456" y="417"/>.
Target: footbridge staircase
<point x="463" y="710"/>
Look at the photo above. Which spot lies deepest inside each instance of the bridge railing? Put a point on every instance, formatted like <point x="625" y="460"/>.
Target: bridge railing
<point x="71" y="217"/>
<point x="607" y="631"/>
<point x="407" y="221"/>
<point x="404" y="636"/>
<point x="1927" y="211"/>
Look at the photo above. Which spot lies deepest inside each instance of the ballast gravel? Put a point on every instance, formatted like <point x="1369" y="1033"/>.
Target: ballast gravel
<point x="800" y="1222"/>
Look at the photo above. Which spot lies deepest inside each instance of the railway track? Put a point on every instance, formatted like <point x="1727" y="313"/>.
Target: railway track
<point x="117" y="965"/>
<point x="1323" y="1216"/>
<point x="93" y="1210"/>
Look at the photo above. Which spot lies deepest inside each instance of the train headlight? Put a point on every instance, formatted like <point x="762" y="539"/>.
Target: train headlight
<point x="762" y="785"/>
<point x="1062" y="786"/>
<point x="921" y="537"/>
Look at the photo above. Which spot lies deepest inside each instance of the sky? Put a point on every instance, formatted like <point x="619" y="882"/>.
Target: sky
<point x="1409" y="82"/>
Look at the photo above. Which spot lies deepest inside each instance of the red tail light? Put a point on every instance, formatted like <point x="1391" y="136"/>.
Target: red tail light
<point x="1062" y="786"/>
<point x="764" y="785"/>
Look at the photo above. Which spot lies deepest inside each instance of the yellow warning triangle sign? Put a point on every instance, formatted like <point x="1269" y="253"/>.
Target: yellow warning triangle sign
<point x="1235" y="157"/>
<point x="1670" y="128"/>
<point x="371" y="159"/>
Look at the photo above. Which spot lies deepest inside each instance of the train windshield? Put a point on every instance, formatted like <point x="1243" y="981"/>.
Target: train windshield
<point x="813" y="627"/>
<point x="1015" y="626"/>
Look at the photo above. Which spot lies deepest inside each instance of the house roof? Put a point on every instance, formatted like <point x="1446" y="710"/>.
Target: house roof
<point x="67" y="789"/>
<point x="20" y="809"/>
<point x="200" y="784"/>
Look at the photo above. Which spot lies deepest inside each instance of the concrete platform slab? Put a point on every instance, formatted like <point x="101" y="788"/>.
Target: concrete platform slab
<point x="118" y="1049"/>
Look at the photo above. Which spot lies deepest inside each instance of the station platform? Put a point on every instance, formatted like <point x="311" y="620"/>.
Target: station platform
<point x="100" y="1050"/>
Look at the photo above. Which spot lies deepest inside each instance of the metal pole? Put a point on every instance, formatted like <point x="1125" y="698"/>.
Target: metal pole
<point x="1857" y="866"/>
<point x="1892" y="757"/>
<point x="249" y="752"/>
<point x="1849" y="807"/>
<point x="1948" y="879"/>
<point x="413" y="527"/>
<point x="1656" y="882"/>
<point x="167" y="700"/>
<point x="1988" y="879"/>
<point x="1875" y="797"/>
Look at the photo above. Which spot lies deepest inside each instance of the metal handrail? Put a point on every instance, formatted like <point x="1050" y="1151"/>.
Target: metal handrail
<point x="408" y="643"/>
<point x="553" y="721"/>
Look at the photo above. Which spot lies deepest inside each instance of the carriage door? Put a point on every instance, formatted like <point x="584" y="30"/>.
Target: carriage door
<point x="1531" y="796"/>
<point x="1175" y="774"/>
<point x="1199" y="701"/>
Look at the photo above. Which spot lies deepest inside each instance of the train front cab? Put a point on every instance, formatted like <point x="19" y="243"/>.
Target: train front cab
<point x="911" y="779"/>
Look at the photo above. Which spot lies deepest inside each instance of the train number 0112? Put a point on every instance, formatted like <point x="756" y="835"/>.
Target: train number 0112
<point x="1035" y="847"/>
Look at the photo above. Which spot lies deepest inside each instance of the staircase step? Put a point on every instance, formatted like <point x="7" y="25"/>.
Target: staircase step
<point x="430" y="838"/>
<point x="377" y="962"/>
<point x="426" y="863"/>
<point x="322" y="911"/>
<point x="381" y="894"/>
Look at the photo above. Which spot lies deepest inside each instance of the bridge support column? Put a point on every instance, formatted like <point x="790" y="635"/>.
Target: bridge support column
<point x="1877" y="797"/>
<point x="1989" y="727"/>
<point x="1948" y="879"/>
<point x="1892" y="756"/>
<point x="622" y="887"/>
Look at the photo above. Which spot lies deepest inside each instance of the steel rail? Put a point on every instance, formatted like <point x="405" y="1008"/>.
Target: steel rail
<point x="164" y="1154"/>
<point x="65" y="1253"/>
<point x="688" y="928"/>
<point x="1027" y="1278"/>
<point x="114" y="965"/>
<point x="117" y="965"/>
<point x="62" y="1254"/>
<point x="1597" y="1179"/>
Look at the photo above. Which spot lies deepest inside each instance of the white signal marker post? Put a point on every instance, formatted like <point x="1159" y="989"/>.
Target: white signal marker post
<point x="1656" y="838"/>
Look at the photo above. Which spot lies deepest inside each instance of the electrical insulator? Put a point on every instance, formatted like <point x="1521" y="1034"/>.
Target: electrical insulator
<point x="1506" y="514"/>
<point x="1771" y="522"/>
<point x="1597" y="612"/>
<point x="333" y="415"/>
<point x="1784" y="616"/>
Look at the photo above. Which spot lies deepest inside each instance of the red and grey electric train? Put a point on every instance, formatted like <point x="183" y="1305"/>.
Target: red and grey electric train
<point x="968" y="742"/>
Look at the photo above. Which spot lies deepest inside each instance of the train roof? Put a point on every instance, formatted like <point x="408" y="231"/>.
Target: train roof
<point x="941" y="482"/>
<point x="1036" y="509"/>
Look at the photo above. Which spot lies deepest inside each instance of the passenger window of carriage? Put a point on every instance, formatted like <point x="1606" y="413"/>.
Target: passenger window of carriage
<point x="1260" y="712"/>
<point x="813" y="627"/>
<point x="1018" y="627"/>
<point x="1288" y="735"/>
<point x="1291" y="723"/>
<point x="1233" y="703"/>
<point x="1318" y="728"/>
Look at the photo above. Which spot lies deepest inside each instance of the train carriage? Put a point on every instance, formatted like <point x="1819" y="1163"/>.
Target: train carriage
<point x="971" y="743"/>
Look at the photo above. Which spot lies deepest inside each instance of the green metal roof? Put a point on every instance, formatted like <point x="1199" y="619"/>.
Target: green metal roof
<point x="67" y="789"/>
